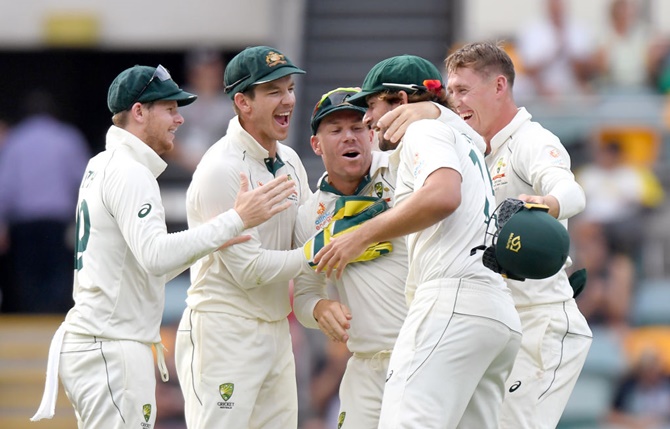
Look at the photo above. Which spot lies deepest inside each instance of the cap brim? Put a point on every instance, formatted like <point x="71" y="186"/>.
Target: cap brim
<point x="182" y="98"/>
<point x="278" y="74"/>
<point x="359" y="99"/>
<point x="317" y="119"/>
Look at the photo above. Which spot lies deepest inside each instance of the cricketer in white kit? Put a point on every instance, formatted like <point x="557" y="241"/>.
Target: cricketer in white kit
<point x="458" y="342"/>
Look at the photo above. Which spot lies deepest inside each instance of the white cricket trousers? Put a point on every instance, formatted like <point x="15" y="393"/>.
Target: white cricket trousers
<point x="452" y="357"/>
<point x="361" y="390"/>
<point x="236" y="372"/>
<point x="556" y="340"/>
<point x="110" y="383"/>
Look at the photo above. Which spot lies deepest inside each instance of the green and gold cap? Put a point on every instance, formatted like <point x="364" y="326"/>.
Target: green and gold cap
<point x="404" y="72"/>
<point x="334" y="101"/>
<point x="145" y="84"/>
<point x="254" y="66"/>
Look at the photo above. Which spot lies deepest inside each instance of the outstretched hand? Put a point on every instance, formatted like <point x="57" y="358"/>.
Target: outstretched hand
<point x="258" y="205"/>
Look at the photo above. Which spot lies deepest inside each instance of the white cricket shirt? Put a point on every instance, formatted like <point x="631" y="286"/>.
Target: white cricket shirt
<point x="526" y="158"/>
<point x="442" y="250"/>
<point x="373" y="290"/>
<point x="124" y="255"/>
<point x="249" y="279"/>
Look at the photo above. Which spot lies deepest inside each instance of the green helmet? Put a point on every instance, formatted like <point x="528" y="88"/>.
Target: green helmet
<point x="529" y="243"/>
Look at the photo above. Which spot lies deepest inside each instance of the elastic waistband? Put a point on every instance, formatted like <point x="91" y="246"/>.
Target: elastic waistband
<point x="570" y="303"/>
<point x="82" y="338"/>
<point x="383" y="354"/>
<point x="374" y="360"/>
<point x="71" y="337"/>
<point x="463" y="284"/>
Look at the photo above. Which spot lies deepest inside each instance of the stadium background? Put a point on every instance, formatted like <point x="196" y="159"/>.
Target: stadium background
<point x="74" y="48"/>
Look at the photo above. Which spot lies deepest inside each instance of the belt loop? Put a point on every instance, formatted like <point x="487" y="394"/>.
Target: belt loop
<point x="160" y="360"/>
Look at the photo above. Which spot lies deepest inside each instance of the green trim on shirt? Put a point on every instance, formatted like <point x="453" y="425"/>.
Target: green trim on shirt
<point x="327" y="187"/>
<point x="273" y="165"/>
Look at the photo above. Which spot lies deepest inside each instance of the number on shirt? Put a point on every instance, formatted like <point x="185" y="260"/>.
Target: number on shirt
<point x="487" y="181"/>
<point x="83" y="221"/>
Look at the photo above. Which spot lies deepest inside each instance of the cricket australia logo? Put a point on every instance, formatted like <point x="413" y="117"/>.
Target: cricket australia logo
<point x="146" y="412"/>
<point x="340" y="419"/>
<point x="513" y="243"/>
<point x="226" y="391"/>
<point x="379" y="189"/>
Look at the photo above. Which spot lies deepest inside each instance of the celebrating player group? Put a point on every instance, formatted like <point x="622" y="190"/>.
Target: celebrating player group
<point x="434" y="247"/>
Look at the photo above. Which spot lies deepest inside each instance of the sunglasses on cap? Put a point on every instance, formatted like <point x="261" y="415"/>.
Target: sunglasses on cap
<point x="336" y="97"/>
<point x="161" y="73"/>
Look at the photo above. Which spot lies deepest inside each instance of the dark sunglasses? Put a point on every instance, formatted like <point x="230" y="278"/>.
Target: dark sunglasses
<point x="161" y="73"/>
<point x="336" y="97"/>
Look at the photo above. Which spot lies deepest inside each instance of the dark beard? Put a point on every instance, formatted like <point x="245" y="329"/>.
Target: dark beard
<point x="385" y="145"/>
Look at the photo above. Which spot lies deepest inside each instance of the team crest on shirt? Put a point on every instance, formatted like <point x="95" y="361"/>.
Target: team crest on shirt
<point x="146" y="412"/>
<point x="379" y="189"/>
<point x="499" y="173"/>
<point x="499" y="169"/>
<point x="340" y="419"/>
<point x="226" y="391"/>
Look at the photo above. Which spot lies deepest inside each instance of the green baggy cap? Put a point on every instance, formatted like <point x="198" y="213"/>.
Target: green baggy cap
<point x="254" y="66"/>
<point x="334" y="101"/>
<point x="404" y="72"/>
<point x="145" y="84"/>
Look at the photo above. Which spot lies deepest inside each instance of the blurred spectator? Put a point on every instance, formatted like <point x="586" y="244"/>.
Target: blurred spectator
<point x="661" y="72"/>
<point x="41" y="167"/>
<point x="627" y="52"/>
<point x="615" y="191"/>
<point x="8" y="294"/>
<point x="611" y="278"/>
<point x="556" y="53"/>
<point x="206" y="121"/>
<point x="642" y="399"/>
<point x="607" y="236"/>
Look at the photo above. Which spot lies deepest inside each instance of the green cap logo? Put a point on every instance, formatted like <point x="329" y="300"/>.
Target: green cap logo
<point x="340" y="419"/>
<point x="226" y="390"/>
<point x="146" y="412"/>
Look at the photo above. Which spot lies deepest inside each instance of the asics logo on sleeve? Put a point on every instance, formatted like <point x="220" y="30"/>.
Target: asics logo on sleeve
<point x="144" y="210"/>
<point x="514" y="387"/>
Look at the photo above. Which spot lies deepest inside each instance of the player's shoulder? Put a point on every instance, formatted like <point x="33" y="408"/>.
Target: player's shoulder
<point x="532" y="135"/>
<point x="287" y="153"/>
<point x="429" y="129"/>
<point x="222" y="154"/>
